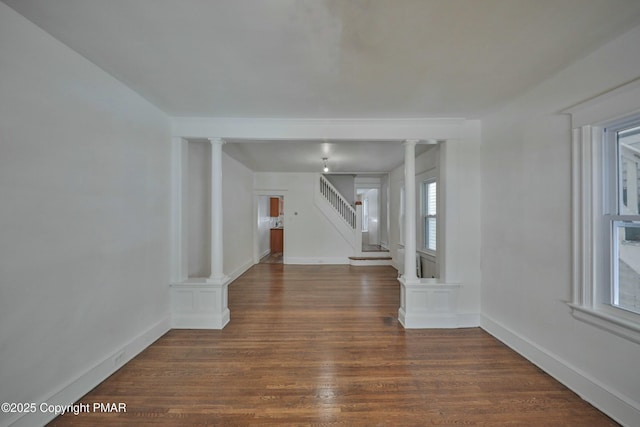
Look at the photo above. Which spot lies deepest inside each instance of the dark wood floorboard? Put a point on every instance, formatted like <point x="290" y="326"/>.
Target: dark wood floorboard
<point x="321" y="346"/>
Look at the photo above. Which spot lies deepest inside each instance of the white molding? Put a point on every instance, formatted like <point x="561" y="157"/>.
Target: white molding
<point x="263" y="254"/>
<point x="88" y="380"/>
<point x="428" y="303"/>
<point x="426" y="320"/>
<point x="297" y="129"/>
<point x="316" y="260"/>
<point x="590" y="268"/>
<point x="622" y="409"/>
<point x="243" y="268"/>
<point x="468" y="320"/>
<point x="617" y="325"/>
<point x="609" y="106"/>
<point x="199" y="304"/>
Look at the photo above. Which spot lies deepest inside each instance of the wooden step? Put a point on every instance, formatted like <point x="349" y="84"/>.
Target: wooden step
<point x="369" y="260"/>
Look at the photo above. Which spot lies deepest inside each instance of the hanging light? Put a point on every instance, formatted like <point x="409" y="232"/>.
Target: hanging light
<point x="325" y="169"/>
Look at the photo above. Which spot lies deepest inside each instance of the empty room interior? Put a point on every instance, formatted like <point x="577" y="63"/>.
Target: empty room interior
<point x="319" y="212"/>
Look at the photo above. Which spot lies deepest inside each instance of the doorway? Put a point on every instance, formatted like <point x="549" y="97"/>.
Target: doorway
<point x="270" y="230"/>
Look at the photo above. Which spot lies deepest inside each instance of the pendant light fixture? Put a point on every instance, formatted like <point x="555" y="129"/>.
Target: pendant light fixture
<point x="325" y="169"/>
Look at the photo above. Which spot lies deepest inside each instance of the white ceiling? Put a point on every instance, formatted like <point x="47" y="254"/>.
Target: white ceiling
<point x="330" y="58"/>
<point x="359" y="157"/>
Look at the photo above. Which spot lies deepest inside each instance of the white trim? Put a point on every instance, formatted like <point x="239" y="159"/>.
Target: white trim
<point x="468" y="320"/>
<point x="609" y="322"/>
<point x="622" y="409"/>
<point x="427" y="320"/>
<point x="296" y="129"/>
<point x="610" y="106"/>
<point x="262" y="255"/>
<point x="243" y="268"/>
<point x="88" y="380"/>
<point x="438" y="321"/>
<point x="428" y="303"/>
<point x="591" y="269"/>
<point x="197" y="304"/>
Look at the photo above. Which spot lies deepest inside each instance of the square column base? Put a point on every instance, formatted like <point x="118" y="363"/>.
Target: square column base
<point x="200" y="304"/>
<point x="427" y="303"/>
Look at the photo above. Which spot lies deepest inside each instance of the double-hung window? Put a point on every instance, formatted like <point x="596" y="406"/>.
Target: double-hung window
<point x="606" y="211"/>
<point x="429" y="215"/>
<point x="622" y="213"/>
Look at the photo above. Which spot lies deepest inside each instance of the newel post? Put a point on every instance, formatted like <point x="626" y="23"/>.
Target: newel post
<point x="358" y="227"/>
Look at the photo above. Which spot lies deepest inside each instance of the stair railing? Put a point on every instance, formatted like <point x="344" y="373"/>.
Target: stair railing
<point x="339" y="203"/>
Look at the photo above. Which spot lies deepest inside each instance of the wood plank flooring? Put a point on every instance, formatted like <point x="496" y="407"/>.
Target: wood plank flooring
<point x="321" y="346"/>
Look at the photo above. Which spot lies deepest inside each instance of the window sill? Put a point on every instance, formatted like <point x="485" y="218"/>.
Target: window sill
<point x="426" y="253"/>
<point x="622" y="327"/>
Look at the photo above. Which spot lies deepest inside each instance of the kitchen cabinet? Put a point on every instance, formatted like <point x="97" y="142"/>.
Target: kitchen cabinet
<point x="274" y="207"/>
<point x="277" y="240"/>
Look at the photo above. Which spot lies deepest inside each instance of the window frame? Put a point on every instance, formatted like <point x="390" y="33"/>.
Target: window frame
<point x="425" y="215"/>
<point x="594" y="195"/>
<point x="613" y="215"/>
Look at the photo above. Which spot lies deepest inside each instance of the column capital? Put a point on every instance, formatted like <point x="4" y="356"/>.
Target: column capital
<point x="217" y="140"/>
<point x="411" y="141"/>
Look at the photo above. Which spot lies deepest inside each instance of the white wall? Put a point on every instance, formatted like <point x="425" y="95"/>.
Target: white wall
<point x="373" y="203"/>
<point x="526" y="175"/>
<point x="84" y="214"/>
<point x="309" y="237"/>
<point x="384" y="211"/>
<point x="199" y="208"/>
<point x="238" y="215"/>
<point x="345" y="184"/>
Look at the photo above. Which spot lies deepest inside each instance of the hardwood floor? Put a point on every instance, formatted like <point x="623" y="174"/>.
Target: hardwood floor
<point x="320" y="345"/>
<point x="272" y="258"/>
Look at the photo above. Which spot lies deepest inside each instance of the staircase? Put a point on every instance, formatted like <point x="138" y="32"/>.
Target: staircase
<point x="348" y="221"/>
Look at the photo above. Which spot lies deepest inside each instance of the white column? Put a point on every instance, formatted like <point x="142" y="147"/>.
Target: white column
<point x="217" y="274"/>
<point x="424" y="303"/>
<point x="410" y="210"/>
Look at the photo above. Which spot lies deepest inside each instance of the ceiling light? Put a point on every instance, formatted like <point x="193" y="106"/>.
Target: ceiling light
<point x="325" y="169"/>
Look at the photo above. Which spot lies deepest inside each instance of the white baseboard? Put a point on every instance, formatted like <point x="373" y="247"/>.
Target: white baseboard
<point x="77" y="388"/>
<point x="438" y="321"/>
<point x="201" y="320"/>
<point x="427" y="321"/>
<point x="622" y="409"/>
<point x="242" y="269"/>
<point x="468" y="320"/>
<point x="264" y="253"/>
<point x="313" y="261"/>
